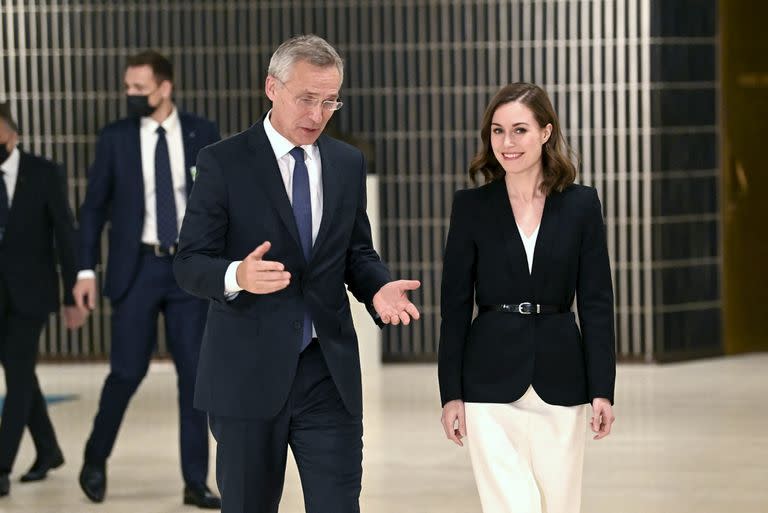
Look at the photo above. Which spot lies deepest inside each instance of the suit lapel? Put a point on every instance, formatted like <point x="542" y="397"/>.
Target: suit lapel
<point x="550" y="221"/>
<point x="134" y="164"/>
<point x="189" y="138"/>
<point x="513" y="244"/>
<point x="19" y="191"/>
<point x="268" y="174"/>
<point x="331" y="176"/>
<point x="515" y="249"/>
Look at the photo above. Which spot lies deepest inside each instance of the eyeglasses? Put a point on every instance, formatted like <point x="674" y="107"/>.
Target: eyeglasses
<point x="307" y="103"/>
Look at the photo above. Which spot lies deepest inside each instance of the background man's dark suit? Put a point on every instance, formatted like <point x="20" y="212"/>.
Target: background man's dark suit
<point x="39" y="219"/>
<point x="251" y="371"/>
<point x="116" y="194"/>
<point x="140" y="285"/>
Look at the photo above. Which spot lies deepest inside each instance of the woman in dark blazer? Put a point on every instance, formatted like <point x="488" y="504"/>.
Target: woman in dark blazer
<point x="515" y="381"/>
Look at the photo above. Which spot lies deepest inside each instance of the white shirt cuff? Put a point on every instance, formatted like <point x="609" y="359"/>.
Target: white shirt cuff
<point x="86" y="274"/>
<point x="231" y="288"/>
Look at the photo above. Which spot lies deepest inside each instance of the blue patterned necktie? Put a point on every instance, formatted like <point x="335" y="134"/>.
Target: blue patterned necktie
<point x="4" y="205"/>
<point x="167" y="222"/>
<point x="302" y="212"/>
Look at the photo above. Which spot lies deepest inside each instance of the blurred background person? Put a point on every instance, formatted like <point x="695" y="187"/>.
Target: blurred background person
<point x="36" y="226"/>
<point x="139" y="183"/>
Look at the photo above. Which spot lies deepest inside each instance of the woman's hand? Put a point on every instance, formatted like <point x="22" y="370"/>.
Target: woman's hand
<point x="453" y="414"/>
<point x="602" y="417"/>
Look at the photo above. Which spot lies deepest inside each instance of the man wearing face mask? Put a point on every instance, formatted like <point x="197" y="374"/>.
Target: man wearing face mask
<point x="139" y="183"/>
<point x="34" y="217"/>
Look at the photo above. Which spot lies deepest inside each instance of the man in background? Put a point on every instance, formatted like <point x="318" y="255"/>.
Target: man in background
<point x="139" y="183"/>
<point x="36" y="225"/>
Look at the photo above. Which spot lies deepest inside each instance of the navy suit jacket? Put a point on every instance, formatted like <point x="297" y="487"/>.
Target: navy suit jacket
<point x="251" y="344"/>
<point x="496" y="356"/>
<point x="116" y="194"/>
<point x="40" y="226"/>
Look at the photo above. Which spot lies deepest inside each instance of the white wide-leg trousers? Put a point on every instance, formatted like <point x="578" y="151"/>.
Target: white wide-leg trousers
<point x="527" y="456"/>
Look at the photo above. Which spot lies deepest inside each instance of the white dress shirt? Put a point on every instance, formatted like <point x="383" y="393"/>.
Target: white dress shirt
<point x="282" y="147"/>
<point x="10" y="170"/>
<point x="148" y="135"/>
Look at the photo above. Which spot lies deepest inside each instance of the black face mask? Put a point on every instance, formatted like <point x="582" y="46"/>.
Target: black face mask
<point x="138" y="105"/>
<point x="4" y="153"/>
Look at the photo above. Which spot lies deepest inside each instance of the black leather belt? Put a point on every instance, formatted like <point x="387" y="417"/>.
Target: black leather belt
<point x="523" y="308"/>
<point x="158" y="250"/>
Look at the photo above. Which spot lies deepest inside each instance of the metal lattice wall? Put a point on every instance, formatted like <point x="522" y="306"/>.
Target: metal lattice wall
<point x="419" y="74"/>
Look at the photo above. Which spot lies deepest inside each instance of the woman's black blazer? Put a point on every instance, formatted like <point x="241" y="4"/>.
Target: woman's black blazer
<point x="496" y="356"/>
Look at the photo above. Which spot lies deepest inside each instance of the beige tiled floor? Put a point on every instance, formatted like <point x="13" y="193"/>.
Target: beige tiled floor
<point x="690" y="437"/>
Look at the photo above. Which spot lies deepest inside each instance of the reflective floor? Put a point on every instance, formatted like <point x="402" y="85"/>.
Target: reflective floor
<point x="690" y="437"/>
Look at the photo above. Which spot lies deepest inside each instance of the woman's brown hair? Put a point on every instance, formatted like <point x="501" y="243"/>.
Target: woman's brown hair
<point x="556" y="157"/>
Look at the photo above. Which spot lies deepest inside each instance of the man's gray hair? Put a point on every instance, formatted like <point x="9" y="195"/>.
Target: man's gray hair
<point x="310" y="48"/>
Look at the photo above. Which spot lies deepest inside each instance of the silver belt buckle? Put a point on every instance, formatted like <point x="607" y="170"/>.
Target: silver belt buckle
<point x="525" y="308"/>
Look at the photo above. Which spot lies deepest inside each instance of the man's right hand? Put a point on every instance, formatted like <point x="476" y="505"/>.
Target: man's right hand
<point x="259" y="276"/>
<point x="84" y="292"/>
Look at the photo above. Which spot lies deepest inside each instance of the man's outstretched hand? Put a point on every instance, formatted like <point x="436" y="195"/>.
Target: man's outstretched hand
<point x="392" y="304"/>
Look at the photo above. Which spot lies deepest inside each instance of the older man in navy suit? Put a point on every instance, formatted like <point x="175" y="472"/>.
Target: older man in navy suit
<point x="275" y="228"/>
<point x="139" y="182"/>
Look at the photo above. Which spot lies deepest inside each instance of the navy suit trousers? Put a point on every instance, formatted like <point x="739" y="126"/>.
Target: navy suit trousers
<point x="134" y="337"/>
<point x="325" y="439"/>
<point x="24" y="404"/>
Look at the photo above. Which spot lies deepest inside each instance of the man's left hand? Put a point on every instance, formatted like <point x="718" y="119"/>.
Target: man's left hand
<point x="392" y="304"/>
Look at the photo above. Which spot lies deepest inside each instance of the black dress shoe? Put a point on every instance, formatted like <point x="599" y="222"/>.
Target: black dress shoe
<point x="40" y="468"/>
<point x="93" y="481"/>
<point x="5" y="485"/>
<point x="201" y="496"/>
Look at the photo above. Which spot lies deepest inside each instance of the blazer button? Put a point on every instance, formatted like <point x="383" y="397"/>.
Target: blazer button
<point x="297" y="325"/>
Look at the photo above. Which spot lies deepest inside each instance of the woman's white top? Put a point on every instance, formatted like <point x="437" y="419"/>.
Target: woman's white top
<point x="530" y="244"/>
